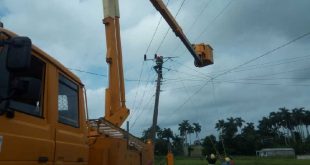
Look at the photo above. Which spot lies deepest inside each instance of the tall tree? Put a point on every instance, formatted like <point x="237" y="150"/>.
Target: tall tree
<point x="146" y="133"/>
<point x="209" y="145"/>
<point x="197" y="129"/>
<point x="183" y="128"/>
<point x="307" y="121"/>
<point x="287" y="122"/>
<point x="220" y="125"/>
<point x="190" y="131"/>
<point x="167" y="133"/>
<point x="177" y="145"/>
<point x="297" y="116"/>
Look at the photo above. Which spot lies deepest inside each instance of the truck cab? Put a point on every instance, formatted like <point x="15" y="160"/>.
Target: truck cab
<point x="42" y="108"/>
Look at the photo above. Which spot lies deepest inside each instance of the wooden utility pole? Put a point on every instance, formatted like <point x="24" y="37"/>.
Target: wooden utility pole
<point x="158" y="68"/>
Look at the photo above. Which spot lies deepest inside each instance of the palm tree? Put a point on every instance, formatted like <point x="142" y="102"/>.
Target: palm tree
<point x="265" y="127"/>
<point x="248" y="129"/>
<point x="287" y="122"/>
<point x="197" y="129"/>
<point x="167" y="133"/>
<point x="183" y="128"/>
<point x="190" y="131"/>
<point x="297" y="116"/>
<point x="307" y="121"/>
<point x="178" y="144"/>
<point x="275" y="120"/>
<point x="220" y="125"/>
<point x="239" y="121"/>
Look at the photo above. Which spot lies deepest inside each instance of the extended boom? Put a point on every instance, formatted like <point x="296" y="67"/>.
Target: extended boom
<point x="202" y="53"/>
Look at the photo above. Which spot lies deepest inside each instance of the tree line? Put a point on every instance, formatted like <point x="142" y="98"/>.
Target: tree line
<point x="282" y="128"/>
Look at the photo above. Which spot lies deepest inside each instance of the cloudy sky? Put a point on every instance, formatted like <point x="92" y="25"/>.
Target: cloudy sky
<point x="261" y="54"/>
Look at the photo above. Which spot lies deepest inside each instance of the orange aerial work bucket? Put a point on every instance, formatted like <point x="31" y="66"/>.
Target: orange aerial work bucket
<point x="205" y="53"/>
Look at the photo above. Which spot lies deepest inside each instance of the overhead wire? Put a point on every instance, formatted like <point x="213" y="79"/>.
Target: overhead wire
<point x="199" y="15"/>
<point x="194" y="22"/>
<point x="103" y="75"/>
<point x="146" y="51"/>
<point x="162" y="41"/>
<point x="265" y="54"/>
<point x="143" y="94"/>
<point x="264" y="66"/>
<point x="142" y="109"/>
<point x="201" y="73"/>
<point x="83" y="71"/>
<point x="141" y="112"/>
<point x="267" y="64"/>
<point x="275" y="62"/>
<point x="134" y="102"/>
<point x="270" y="63"/>
<point x="215" y="18"/>
<point x="266" y="84"/>
<point x="243" y="64"/>
<point x="212" y="22"/>
<point x="156" y="29"/>
<point x="174" y="70"/>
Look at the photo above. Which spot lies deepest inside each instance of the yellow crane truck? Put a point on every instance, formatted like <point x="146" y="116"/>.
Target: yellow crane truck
<point x="43" y="107"/>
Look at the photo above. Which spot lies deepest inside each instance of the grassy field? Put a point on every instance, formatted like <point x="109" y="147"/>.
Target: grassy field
<point x="238" y="161"/>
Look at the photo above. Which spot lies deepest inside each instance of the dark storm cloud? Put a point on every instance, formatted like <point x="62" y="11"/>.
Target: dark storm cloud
<point x="245" y="30"/>
<point x="279" y="17"/>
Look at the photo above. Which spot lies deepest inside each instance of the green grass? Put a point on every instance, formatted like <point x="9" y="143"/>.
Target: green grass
<point x="238" y="161"/>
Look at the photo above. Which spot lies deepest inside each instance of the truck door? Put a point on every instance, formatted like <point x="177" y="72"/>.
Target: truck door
<point x="71" y="146"/>
<point x="26" y="137"/>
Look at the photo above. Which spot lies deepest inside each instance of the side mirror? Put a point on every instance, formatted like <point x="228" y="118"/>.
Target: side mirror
<point x="18" y="54"/>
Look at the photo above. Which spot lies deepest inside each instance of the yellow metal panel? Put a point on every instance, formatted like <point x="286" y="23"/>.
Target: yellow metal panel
<point x="71" y="142"/>
<point x="26" y="137"/>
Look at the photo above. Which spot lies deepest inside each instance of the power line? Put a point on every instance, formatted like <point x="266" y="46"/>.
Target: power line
<point x="83" y="71"/>
<point x="267" y="64"/>
<point x="194" y="22"/>
<point x="162" y="41"/>
<point x="265" y="54"/>
<point x="198" y="76"/>
<point x="269" y="79"/>
<point x="245" y="63"/>
<point x="153" y="36"/>
<point x="267" y="84"/>
<point x="144" y="91"/>
<point x="201" y="12"/>
<point x="102" y="75"/>
<point x="134" y="102"/>
<point x="276" y="62"/>
<point x="215" y="18"/>
<point x="141" y="112"/>
<point x="267" y="75"/>
<point x="191" y="68"/>
<point x="147" y="49"/>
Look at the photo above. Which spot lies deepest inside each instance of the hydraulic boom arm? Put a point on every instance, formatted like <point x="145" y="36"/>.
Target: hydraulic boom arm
<point x="115" y="108"/>
<point x="202" y="53"/>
